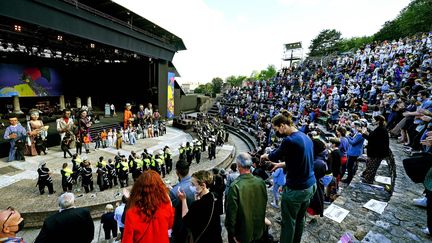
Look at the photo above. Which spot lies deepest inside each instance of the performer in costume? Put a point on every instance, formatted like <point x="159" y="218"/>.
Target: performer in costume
<point x="37" y="133"/>
<point x="128" y="117"/>
<point x="44" y="179"/>
<point x="84" y="125"/>
<point x="65" y="126"/>
<point x="16" y="134"/>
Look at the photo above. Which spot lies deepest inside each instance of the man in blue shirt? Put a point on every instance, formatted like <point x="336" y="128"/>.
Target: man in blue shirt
<point x="296" y="152"/>
<point x="184" y="185"/>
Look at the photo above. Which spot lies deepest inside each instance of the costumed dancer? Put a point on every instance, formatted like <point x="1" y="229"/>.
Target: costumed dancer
<point x="112" y="174"/>
<point x="44" y="179"/>
<point x="87" y="177"/>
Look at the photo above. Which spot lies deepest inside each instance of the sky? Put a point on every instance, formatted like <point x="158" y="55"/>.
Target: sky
<point x="236" y="37"/>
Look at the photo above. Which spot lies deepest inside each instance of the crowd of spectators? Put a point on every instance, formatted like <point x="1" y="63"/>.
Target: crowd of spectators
<point x="361" y="99"/>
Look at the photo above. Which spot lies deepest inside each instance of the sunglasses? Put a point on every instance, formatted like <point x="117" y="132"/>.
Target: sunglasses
<point x="12" y="212"/>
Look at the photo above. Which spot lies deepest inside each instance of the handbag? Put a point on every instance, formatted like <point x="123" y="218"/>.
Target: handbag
<point x="190" y="237"/>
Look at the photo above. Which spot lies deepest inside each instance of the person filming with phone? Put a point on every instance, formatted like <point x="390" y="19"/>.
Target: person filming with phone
<point x="296" y="154"/>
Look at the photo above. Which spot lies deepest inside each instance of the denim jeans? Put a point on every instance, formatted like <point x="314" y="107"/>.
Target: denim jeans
<point x="294" y="205"/>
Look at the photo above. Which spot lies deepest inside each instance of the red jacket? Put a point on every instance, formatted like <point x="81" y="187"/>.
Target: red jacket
<point x="136" y="230"/>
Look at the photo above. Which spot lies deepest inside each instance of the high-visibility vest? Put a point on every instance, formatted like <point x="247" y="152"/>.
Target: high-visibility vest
<point x="139" y="163"/>
<point x="125" y="166"/>
<point x="160" y="161"/>
<point x="68" y="172"/>
<point x="103" y="163"/>
<point x="147" y="161"/>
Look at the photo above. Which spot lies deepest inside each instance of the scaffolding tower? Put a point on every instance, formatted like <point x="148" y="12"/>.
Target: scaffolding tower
<point x="292" y="52"/>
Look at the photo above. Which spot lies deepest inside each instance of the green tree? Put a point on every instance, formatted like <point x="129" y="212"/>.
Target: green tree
<point x="216" y="85"/>
<point x="415" y="18"/>
<point x="353" y="43"/>
<point x="265" y="74"/>
<point x="325" y="43"/>
<point x="200" y="89"/>
<point x="235" y="81"/>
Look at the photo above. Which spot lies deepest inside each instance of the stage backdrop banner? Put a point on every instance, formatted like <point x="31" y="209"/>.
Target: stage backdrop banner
<point x="170" y="110"/>
<point x="28" y="81"/>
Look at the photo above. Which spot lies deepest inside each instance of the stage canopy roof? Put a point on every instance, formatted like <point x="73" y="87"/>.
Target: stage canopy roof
<point x="101" y="27"/>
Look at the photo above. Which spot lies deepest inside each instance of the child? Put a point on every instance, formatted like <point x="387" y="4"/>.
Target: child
<point x="150" y="128"/>
<point x="86" y="141"/>
<point x="108" y="222"/>
<point x="103" y="137"/>
<point x="97" y="140"/>
<point x="78" y="145"/>
<point x="110" y="137"/>
<point x="278" y="181"/>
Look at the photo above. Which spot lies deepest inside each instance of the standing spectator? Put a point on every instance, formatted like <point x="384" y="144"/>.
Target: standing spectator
<point x="377" y="148"/>
<point x="218" y="188"/>
<point x="12" y="223"/>
<point x="182" y="171"/>
<point x="71" y="224"/>
<point x="246" y="204"/>
<point x="201" y="217"/>
<point x="354" y="151"/>
<point x="296" y="150"/>
<point x="109" y="223"/>
<point x="118" y="214"/>
<point x="16" y="135"/>
<point x="149" y="213"/>
<point x="232" y="175"/>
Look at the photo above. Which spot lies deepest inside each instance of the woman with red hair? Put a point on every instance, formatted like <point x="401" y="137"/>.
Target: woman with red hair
<point x="149" y="213"/>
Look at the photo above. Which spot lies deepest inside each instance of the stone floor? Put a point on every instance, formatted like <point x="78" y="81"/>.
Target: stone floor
<point x="21" y="177"/>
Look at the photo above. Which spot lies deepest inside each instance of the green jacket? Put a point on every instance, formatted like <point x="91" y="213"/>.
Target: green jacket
<point x="246" y="208"/>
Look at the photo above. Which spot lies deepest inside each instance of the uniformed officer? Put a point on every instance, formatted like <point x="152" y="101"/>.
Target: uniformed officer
<point x="66" y="178"/>
<point x="168" y="159"/>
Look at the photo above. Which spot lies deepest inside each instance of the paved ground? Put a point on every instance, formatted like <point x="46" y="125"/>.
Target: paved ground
<point x="21" y="177"/>
<point x="401" y="221"/>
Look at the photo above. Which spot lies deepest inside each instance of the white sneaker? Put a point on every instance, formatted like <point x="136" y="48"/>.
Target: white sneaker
<point x="274" y="205"/>
<point x="422" y="202"/>
<point x="426" y="231"/>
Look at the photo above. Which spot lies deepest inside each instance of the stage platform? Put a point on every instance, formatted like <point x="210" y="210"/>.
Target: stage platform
<point x="18" y="178"/>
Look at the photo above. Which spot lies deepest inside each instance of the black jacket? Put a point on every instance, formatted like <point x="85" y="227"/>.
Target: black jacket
<point x="378" y="143"/>
<point x="70" y="225"/>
